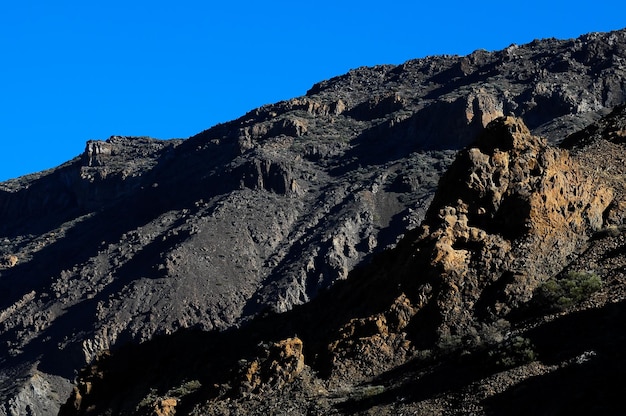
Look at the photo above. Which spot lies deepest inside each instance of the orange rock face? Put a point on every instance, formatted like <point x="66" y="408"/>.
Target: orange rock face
<point x="281" y="363"/>
<point x="510" y="212"/>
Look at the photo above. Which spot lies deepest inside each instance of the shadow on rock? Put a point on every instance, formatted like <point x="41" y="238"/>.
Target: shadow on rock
<point x="590" y="348"/>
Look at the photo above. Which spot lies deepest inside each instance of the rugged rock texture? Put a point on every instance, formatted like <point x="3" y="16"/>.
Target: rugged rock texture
<point x="598" y="147"/>
<point x="281" y="363"/>
<point x="524" y="207"/>
<point x="138" y="237"/>
<point x="446" y="322"/>
<point x="508" y="214"/>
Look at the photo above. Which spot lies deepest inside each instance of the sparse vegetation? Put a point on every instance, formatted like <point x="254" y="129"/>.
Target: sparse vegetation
<point x="574" y="287"/>
<point x="153" y="397"/>
<point x="185" y="389"/>
<point x="513" y="352"/>
<point x="490" y="345"/>
<point x="365" y="392"/>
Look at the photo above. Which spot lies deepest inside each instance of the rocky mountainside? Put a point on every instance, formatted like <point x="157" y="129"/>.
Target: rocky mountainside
<point x="127" y="245"/>
<point x="508" y="299"/>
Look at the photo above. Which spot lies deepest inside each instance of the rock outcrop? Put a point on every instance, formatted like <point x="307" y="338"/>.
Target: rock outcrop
<point x="281" y="363"/>
<point x="598" y="147"/>
<point x="510" y="213"/>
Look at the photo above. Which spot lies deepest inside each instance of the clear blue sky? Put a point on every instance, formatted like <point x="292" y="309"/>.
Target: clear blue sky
<point x="78" y="70"/>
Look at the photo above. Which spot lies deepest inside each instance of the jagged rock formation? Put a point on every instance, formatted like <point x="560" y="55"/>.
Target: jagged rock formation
<point x="598" y="147"/>
<point x="508" y="214"/>
<point x="139" y="237"/>
<point x="281" y="363"/>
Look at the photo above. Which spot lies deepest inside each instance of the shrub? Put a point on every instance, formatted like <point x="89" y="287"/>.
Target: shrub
<point x="573" y="288"/>
<point x="512" y="353"/>
<point x="185" y="389"/>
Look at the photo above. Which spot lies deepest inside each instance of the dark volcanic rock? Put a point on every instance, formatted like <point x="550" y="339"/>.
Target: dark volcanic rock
<point x="438" y="324"/>
<point x="139" y="237"/>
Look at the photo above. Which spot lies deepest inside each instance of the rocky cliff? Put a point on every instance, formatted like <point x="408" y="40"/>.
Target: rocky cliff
<point x="138" y="238"/>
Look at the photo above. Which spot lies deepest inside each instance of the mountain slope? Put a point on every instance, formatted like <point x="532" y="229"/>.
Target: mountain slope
<point x="458" y="318"/>
<point x="138" y="237"/>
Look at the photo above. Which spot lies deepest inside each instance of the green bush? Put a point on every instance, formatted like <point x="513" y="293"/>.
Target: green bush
<point x="573" y="288"/>
<point x="512" y="353"/>
<point x="185" y="389"/>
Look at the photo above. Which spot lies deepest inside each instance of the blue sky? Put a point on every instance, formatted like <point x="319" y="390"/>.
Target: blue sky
<point x="72" y="71"/>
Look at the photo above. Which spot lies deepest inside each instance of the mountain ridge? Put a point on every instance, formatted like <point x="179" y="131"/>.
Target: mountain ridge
<point x="135" y="237"/>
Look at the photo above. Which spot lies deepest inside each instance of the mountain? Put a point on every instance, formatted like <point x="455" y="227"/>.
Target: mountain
<point x="508" y="299"/>
<point x="300" y="252"/>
